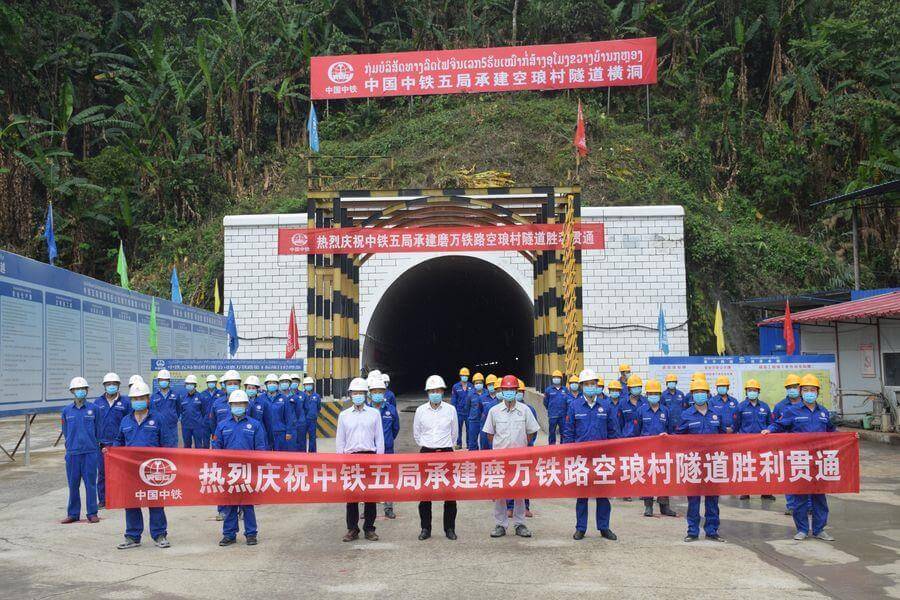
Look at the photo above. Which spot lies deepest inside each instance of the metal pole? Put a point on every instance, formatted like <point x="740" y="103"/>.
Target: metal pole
<point x="28" y="419"/>
<point x="855" y="248"/>
<point x="647" y="88"/>
<point x="608" y="89"/>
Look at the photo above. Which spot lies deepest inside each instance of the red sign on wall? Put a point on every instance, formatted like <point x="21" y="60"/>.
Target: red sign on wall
<point x="361" y="240"/>
<point x="476" y="70"/>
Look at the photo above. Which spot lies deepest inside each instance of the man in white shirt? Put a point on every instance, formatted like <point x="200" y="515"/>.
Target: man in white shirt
<point x="359" y="432"/>
<point x="510" y="424"/>
<point x="436" y="429"/>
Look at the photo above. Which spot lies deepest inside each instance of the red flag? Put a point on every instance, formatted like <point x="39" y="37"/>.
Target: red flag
<point x="788" y="329"/>
<point x="293" y="338"/>
<point x="580" y="140"/>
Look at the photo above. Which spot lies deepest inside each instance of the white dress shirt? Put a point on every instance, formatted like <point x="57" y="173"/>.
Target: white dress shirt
<point x="510" y="427"/>
<point x="436" y="427"/>
<point x="359" y="430"/>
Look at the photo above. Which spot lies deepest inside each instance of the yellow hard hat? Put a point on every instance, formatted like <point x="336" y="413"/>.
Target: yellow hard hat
<point x="521" y="386"/>
<point x="699" y="384"/>
<point x="464" y="371"/>
<point x="809" y="379"/>
<point x="634" y="381"/>
<point x="600" y="382"/>
<point x="615" y="384"/>
<point x="722" y="380"/>
<point x="557" y="373"/>
<point x="751" y="383"/>
<point x="699" y="375"/>
<point x="671" y="377"/>
<point x="653" y="386"/>
<point x="491" y="378"/>
<point x="624" y="367"/>
<point x="477" y="377"/>
<point x="573" y="378"/>
<point x="791" y="379"/>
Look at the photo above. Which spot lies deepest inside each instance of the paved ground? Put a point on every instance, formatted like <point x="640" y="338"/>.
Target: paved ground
<point x="301" y="555"/>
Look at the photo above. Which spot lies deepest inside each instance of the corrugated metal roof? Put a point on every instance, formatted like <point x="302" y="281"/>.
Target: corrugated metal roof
<point x="885" y="305"/>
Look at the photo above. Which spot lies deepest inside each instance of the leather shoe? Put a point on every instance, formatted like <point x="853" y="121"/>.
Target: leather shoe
<point x="451" y="535"/>
<point x="715" y="538"/>
<point x="371" y="536"/>
<point x="425" y="534"/>
<point x="93" y="519"/>
<point x="350" y="536"/>
<point x="579" y="535"/>
<point x="68" y="520"/>
<point x="690" y="538"/>
<point x="666" y="510"/>
<point x="227" y="541"/>
<point x="608" y="534"/>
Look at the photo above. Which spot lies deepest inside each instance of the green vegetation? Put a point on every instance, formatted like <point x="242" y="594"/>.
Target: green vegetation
<point x="148" y="121"/>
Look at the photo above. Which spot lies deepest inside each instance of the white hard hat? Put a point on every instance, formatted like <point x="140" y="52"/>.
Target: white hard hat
<point x="252" y="380"/>
<point x="139" y="389"/>
<point x="375" y="372"/>
<point x="358" y="385"/>
<point x="111" y="378"/>
<point x="78" y="382"/>
<point x="587" y="375"/>
<point x="375" y="381"/>
<point x="271" y="377"/>
<point x="231" y="375"/>
<point x="238" y="396"/>
<point x="285" y="377"/>
<point x="294" y="376"/>
<point x="191" y="379"/>
<point x="387" y="378"/>
<point x="309" y="380"/>
<point x="134" y="379"/>
<point x="211" y="378"/>
<point x="164" y="374"/>
<point x="221" y="379"/>
<point x="435" y="382"/>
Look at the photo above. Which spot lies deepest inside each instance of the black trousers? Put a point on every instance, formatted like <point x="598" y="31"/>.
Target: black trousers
<point x="369" y="512"/>
<point x="449" y="505"/>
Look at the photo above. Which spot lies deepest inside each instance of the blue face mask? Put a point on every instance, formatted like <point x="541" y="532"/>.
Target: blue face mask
<point x="556" y="381"/>
<point x="378" y="398"/>
<point x="615" y="394"/>
<point x="671" y="385"/>
<point x="284" y="386"/>
<point x="139" y="404"/>
<point x="251" y="392"/>
<point x="464" y="378"/>
<point x="435" y="397"/>
<point x="112" y="389"/>
<point x="358" y="399"/>
<point x="479" y="387"/>
<point x="810" y="397"/>
<point x="211" y="385"/>
<point x="508" y="395"/>
<point x="231" y="388"/>
<point x="520" y="396"/>
<point x="238" y="411"/>
<point x="722" y="389"/>
<point x="295" y="385"/>
<point x="653" y="399"/>
<point x="699" y="397"/>
<point x="793" y="392"/>
<point x="163" y="383"/>
<point x="490" y="387"/>
<point x="753" y="394"/>
<point x="635" y="391"/>
<point x="573" y="387"/>
<point x="190" y="387"/>
<point x="590" y="390"/>
<point x="81" y="394"/>
<point x="272" y="387"/>
<point x="308" y="387"/>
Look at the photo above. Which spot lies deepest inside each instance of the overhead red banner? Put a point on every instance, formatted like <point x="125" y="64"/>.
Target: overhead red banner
<point x="476" y="70"/>
<point x="675" y="465"/>
<point x="362" y="240"/>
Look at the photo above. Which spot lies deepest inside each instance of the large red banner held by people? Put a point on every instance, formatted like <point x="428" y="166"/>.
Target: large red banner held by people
<point x="706" y="465"/>
<point x="474" y="70"/>
<point x="365" y="240"/>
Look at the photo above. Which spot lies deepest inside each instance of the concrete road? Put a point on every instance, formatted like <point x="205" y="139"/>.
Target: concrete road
<point x="301" y="554"/>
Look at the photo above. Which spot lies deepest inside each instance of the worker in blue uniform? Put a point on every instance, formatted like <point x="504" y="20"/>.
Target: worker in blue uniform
<point x="239" y="432"/>
<point x="701" y="419"/>
<point x="487" y="403"/>
<point x="296" y="384"/>
<point x="673" y="398"/>
<point x="164" y="402"/>
<point x="520" y="397"/>
<point x="221" y="410"/>
<point x="573" y="391"/>
<point x="390" y="423"/>
<point x="556" y="404"/>
<point x="194" y="422"/>
<point x="312" y="404"/>
<point x="143" y="429"/>
<point x="752" y="416"/>
<point x="624" y="374"/>
<point x="616" y="399"/>
<point x="473" y="415"/>
<point x="81" y="428"/>
<point x="629" y="407"/>
<point x="459" y="398"/>
<point x="111" y="407"/>
<point x="389" y="396"/>
<point x="725" y="402"/>
<point x="590" y="419"/>
<point x="259" y="407"/>
<point x="654" y="419"/>
<point x="688" y="398"/>
<point x="791" y="399"/>
<point x="809" y="417"/>
<point x="282" y="419"/>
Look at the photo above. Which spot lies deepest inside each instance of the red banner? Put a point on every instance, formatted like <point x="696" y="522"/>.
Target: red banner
<point x="475" y="70"/>
<point x="675" y="465"/>
<point x="362" y="240"/>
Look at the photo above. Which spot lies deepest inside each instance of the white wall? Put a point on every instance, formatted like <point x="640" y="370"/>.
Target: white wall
<point x="641" y="269"/>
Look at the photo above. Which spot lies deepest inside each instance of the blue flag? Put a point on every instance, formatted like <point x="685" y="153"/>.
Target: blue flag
<point x="231" y="328"/>
<point x="312" y="126"/>
<point x="49" y="236"/>
<point x="176" y="288"/>
<point x="663" y="334"/>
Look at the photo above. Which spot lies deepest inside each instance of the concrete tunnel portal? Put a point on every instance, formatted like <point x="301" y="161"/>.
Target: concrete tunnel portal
<point x="449" y="312"/>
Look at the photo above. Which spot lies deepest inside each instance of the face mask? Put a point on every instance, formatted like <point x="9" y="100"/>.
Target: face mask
<point x="238" y="411"/>
<point x="251" y="392"/>
<point x="653" y="399"/>
<point x="358" y="399"/>
<point x="272" y="387"/>
<point x="231" y="388"/>
<point x="520" y="396"/>
<point x="479" y="386"/>
<point x="573" y="387"/>
<point x="590" y="390"/>
<point x="378" y="398"/>
<point x="308" y="387"/>
<point x="671" y="385"/>
<point x="295" y="385"/>
<point x="490" y="387"/>
<point x="464" y="378"/>
<point x="722" y="390"/>
<point x="752" y="394"/>
<point x="793" y="393"/>
<point x="81" y="394"/>
<point x="615" y="394"/>
<point x="163" y="383"/>
<point x="112" y="389"/>
<point x="508" y="395"/>
<point x="810" y="397"/>
<point x="699" y="397"/>
<point x="190" y="387"/>
<point x="435" y="397"/>
<point x="284" y="386"/>
<point x="635" y="391"/>
<point x="139" y="404"/>
<point x="210" y="386"/>
<point x="556" y="380"/>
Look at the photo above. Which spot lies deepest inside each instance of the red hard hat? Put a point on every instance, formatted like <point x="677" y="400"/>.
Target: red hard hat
<point x="510" y="382"/>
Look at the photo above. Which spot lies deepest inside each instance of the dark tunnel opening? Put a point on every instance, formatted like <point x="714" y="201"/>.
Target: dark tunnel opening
<point x="446" y="313"/>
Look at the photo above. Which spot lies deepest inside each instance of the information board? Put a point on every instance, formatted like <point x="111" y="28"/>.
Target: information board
<point x="770" y="371"/>
<point x="56" y="324"/>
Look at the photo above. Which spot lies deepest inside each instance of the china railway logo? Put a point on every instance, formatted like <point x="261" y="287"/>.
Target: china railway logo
<point x="300" y="239"/>
<point x="340" y="72"/>
<point x="158" y="471"/>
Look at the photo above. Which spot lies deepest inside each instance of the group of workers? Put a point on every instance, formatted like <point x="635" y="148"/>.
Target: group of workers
<point x="281" y="416"/>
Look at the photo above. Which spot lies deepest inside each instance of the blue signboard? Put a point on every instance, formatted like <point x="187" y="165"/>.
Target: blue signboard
<point x="179" y="368"/>
<point x="56" y="324"/>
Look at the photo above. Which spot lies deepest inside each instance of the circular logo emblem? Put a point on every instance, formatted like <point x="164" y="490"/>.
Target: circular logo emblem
<point x="161" y="364"/>
<point x="90" y="412"/>
<point x="158" y="471"/>
<point x="299" y="239"/>
<point x="340" y="72"/>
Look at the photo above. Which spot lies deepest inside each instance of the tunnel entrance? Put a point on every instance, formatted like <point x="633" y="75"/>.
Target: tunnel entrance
<point x="449" y="312"/>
